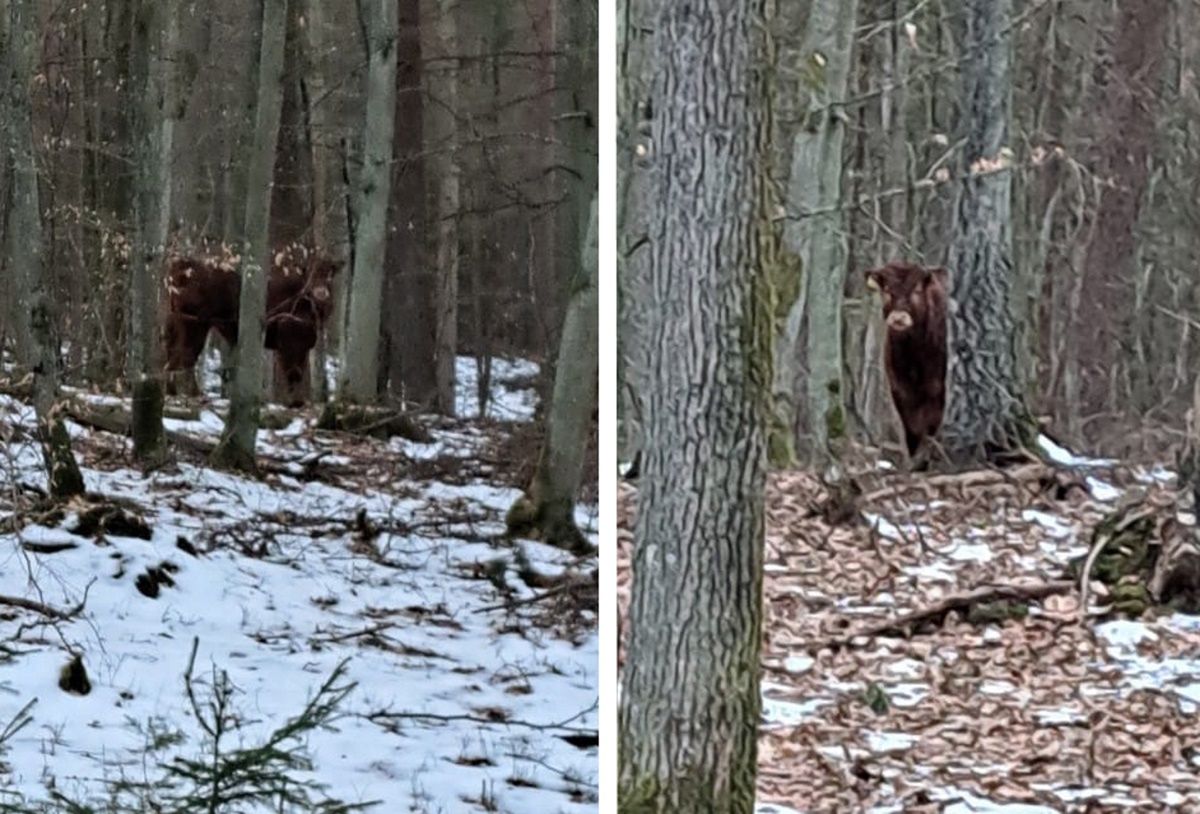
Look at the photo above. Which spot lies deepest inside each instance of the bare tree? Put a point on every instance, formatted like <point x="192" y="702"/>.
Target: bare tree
<point x="24" y="252"/>
<point x="155" y="38"/>
<point x="448" y="201"/>
<point x="986" y="412"/>
<point x="360" y="361"/>
<point x="549" y="509"/>
<point x="690" y="704"/>
<point x="813" y="327"/>
<point x="236" y="448"/>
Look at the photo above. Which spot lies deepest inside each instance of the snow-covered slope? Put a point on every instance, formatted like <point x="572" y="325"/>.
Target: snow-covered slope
<point x="461" y="705"/>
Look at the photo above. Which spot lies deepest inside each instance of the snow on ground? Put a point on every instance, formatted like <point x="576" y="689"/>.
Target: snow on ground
<point x="1028" y="716"/>
<point x="460" y="705"/>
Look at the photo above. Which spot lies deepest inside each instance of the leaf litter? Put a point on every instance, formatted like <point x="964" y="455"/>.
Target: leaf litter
<point x="1026" y="714"/>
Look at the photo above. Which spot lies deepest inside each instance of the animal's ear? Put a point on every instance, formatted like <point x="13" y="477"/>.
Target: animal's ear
<point x="940" y="274"/>
<point x="873" y="279"/>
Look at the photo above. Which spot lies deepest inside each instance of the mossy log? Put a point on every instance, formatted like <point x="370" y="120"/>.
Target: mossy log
<point x="1148" y="555"/>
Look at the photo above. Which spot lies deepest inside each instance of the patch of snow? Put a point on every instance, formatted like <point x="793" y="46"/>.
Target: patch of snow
<point x="1101" y="490"/>
<point x="798" y="664"/>
<point x="885" y="742"/>
<point x="967" y="803"/>
<point x="1125" y="633"/>
<point x="1066" y="458"/>
<point x="1054" y="525"/>
<point x="409" y="610"/>
<point x="774" y="808"/>
<point x="778" y="712"/>
<point x="969" y="552"/>
<point x="512" y="396"/>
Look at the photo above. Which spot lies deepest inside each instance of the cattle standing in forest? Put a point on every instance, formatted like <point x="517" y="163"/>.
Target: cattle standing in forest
<point x="914" y="310"/>
<point x="203" y="294"/>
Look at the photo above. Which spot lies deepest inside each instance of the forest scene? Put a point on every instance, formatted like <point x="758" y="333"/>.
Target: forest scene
<point x="909" y="404"/>
<point x="298" y="406"/>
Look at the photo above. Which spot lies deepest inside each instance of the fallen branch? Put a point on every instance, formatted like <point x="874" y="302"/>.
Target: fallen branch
<point x="38" y="607"/>
<point x="905" y="624"/>
<point x="586" y="581"/>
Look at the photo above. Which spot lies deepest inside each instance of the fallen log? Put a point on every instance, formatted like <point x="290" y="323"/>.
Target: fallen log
<point x="966" y="604"/>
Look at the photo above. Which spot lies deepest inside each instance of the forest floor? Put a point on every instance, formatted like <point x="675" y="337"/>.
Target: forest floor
<point x="469" y="696"/>
<point x="1029" y="716"/>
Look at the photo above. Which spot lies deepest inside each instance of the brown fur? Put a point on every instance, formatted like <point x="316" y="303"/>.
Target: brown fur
<point x="203" y="293"/>
<point x="914" y="309"/>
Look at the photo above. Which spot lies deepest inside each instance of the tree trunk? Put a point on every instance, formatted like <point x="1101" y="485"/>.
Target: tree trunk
<point x="690" y="705"/>
<point x="291" y="199"/>
<point x="360" y="362"/>
<point x="155" y="36"/>
<point x="236" y="448"/>
<point x="1124" y="110"/>
<point x="633" y="298"/>
<point x="24" y="251"/>
<point x="813" y="327"/>
<point x="445" y="343"/>
<point x="410" y="285"/>
<point x="550" y="507"/>
<point x="986" y="414"/>
<point x="243" y="144"/>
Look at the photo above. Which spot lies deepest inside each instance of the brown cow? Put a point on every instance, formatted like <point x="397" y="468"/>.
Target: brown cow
<point x="914" y="309"/>
<point x="202" y="295"/>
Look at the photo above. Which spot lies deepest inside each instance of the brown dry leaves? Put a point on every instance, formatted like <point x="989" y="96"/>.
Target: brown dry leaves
<point x="1036" y="711"/>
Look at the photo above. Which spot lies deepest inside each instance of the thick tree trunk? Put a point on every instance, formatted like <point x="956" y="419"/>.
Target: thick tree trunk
<point x="236" y="448"/>
<point x="690" y="705"/>
<point x="243" y="146"/>
<point x="550" y="507"/>
<point x="445" y="343"/>
<point x="360" y="362"/>
<point x="813" y="327"/>
<point x="633" y="253"/>
<point x="24" y="251"/>
<point x="291" y="199"/>
<point x="986" y="413"/>
<point x="410" y="285"/>
<point x="155" y="37"/>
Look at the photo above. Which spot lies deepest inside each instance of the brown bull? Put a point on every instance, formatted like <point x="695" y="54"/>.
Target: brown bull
<point x="203" y="293"/>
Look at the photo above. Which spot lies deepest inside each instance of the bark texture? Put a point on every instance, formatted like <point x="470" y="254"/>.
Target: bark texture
<point x="690" y="704"/>
<point x="155" y="38"/>
<point x="236" y="448"/>
<point x="24" y="252"/>
<point x="360" y="361"/>
<point x="550" y="507"/>
<point x="986" y="413"/>
<point x="813" y="326"/>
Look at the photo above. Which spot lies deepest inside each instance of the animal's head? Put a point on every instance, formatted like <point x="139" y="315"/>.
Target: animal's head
<point x="291" y="337"/>
<point x="905" y="289"/>
<point x="321" y="271"/>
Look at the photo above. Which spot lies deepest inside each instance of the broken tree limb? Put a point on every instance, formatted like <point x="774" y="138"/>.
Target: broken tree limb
<point x="907" y="623"/>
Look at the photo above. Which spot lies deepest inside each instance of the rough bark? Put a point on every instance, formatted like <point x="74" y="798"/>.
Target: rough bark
<point x="813" y="326"/>
<point x="409" y="286"/>
<point x="236" y="448"/>
<point x="634" y="40"/>
<point x="360" y="362"/>
<point x="985" y="415"/>
<point x="690" y="703"/>
<point x="445" y="342"/>
<point x="549" y="510"/>
<point x="24" y="252"/>
<point x="155" y="39"/>
<point x="242" y="149"/>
